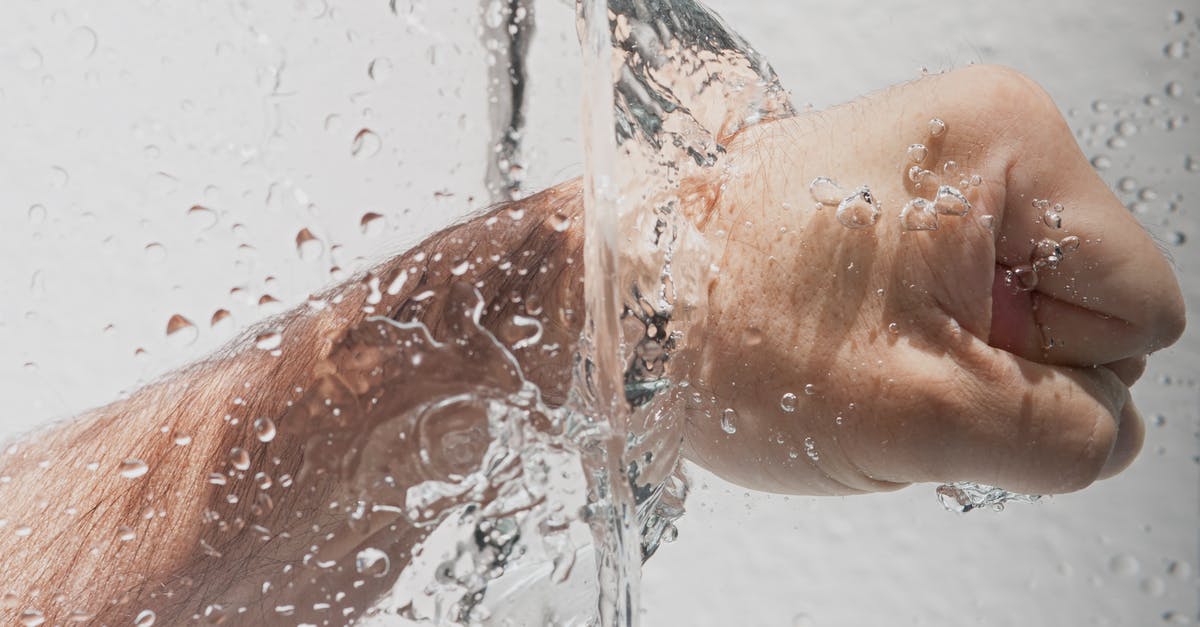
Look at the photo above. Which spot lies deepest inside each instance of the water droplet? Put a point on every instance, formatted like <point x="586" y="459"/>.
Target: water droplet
<point x="155" y="253"/>
<point x="1154" y="586"/>
<point x="32" y="618"/>
<point x="269" y="341"/>
<point x="83" y="42"/>
<point x="1101" y="162"/>
<point x="132" y="468"/>
<point x="379" y="69"/>
<point x="1175" y="50"/>
<point x="937" y="127"/>
<point x="727" y="418"/>
<point x="788" y="402"/>
<point x="23" y="531"/>
<point x="308" y="245"/>
<point x="264" y="429"/>
<point x="858" y="211"/>
<point x="559" y="222"/>
<point x="1126" y="128"/>
<point x="1175" y="16"/>
<point x="950" y="168"/>
<point x="1191" y="164"/>
<point x="181" y="330"/>
<point x="202" y="218"/>
<point x="372" y="562"/>
<point x="810" y="389"/>
<point x="917" y="153"/>
<point x="219" y="316"/>
<point x="29" y="59"/>
<point x="182" y="439"/>
<point x="37" y="215"/>
<point x="125" y="533"/>
<point x="1124" y="564"/>
<point x="460" y="268"/>
<point x="145" y="618"/>
<point x="239" y="458"/>
<point x="1127" y="184"/>
<point x="951" y="202"/>
<point x="825" y="191"/>
<point x="1176" y="238"/>
<point x="366" y="144"/>
<point x="372" y="224"/>
<point x="918" y="214"/>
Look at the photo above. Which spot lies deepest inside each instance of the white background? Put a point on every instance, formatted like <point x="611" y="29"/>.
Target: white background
<point x="117" y="117"/>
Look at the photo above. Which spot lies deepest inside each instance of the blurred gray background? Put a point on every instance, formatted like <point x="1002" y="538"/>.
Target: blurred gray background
<point x="161" y="159"/>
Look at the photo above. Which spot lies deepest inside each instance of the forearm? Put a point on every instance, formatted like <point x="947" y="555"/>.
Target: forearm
<point x="158" y="501"/>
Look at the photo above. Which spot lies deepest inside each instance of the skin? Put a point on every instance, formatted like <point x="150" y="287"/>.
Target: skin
<point x="961" y="390"/>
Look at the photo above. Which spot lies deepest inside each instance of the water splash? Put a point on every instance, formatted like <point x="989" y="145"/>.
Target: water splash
<point x="965" y="496"/>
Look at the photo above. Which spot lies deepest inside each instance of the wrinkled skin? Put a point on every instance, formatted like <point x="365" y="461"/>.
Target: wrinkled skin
<point x="961" y="386"/>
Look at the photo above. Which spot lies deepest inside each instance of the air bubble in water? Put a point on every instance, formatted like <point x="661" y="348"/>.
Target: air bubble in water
<point x="988" y="221"/>
<point x="1024" y="277"/>
<point x="366" y="144"/>
<point x="825" y="191"/>
<point x="145" y="618"/>
<point x="1052" y="219"/>
<point x="810" y="449"/>
<point x="125" y="533"/>
<point x="810" y="389"/>
<point x="937" y="127"/>
<point x="858" y="211"/>
<point x="951" y="202"/>
<point x="917" y="153"/>
<point x="965" y="496"/>
<point x="918" y="214"/>
<point x="132" y="468"/>
<point x="373" y="562"/>
<point x="239" y="458"/>
<point x="264" y="429"/>
<point x="727" y="421"/>
<point x="32" y="618"/>
<point x="1069" y="244"/>
<point x="308" y="246"/>
<point x="788" y="402"/>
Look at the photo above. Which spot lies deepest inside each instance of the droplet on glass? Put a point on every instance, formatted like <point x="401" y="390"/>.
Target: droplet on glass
<point x="269" y="340"/>
<point x="372" y="224"/>
<point x="181" y="330"/>
<point x="132" y="468"/>
<point x="219" y="316"/>
<point x="918" y="214"/>
<point x="951" y="202"/>
<point x="264" y="429"/>
<point x="379" y="69"/>
<point x="858" y="211"/>
<point x="202" y="217"/>
<point x="727" y="421"/>
<point x="366" y="144"/>
<point x="1175" y="50"/>
<point x="155" y="253"/>
<point x="83" y="42"/>
<point x="825" y="191"/>
<point x="1191" y="164"/>
<point x="308" y="245"/>
<point x="37" y="215"/>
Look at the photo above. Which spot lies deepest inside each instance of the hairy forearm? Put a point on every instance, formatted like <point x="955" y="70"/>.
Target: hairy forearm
<point x="178" y="496"/>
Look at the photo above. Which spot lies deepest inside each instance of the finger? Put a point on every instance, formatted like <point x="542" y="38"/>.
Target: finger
<point x="1009" y="422"/>
<point x="1113" y="297"/>
<point x="1129" y="370"/>
<point x="1131" y="434"/>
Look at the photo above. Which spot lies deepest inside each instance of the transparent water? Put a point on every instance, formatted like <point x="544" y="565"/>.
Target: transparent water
<point x="510" y="528"/>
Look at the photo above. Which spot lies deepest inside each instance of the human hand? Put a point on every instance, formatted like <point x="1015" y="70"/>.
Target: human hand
<point x="857" y="360"/>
